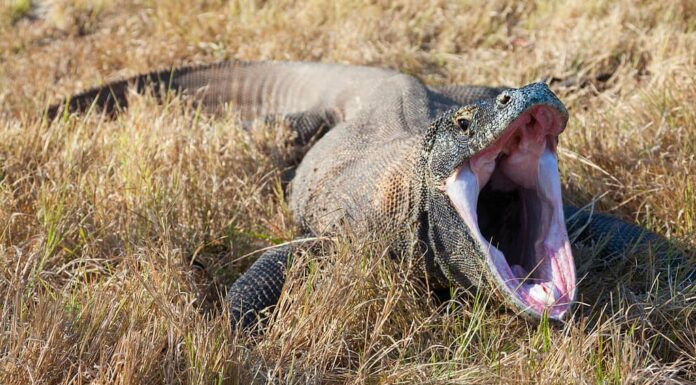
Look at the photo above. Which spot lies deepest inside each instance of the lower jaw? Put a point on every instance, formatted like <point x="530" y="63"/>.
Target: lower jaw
<point x="534" y="299"/>
<point x="530" y="230"/>
<point x="544" y="280"/>
<point x="534" y="265"/>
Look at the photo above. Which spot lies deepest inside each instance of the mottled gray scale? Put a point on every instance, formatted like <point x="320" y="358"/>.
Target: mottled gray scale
<point x="390" y="142"/>
<point x="382" y="136"/>
<point x="610" y="238"/>
<point x="260" y="287"/>
<point x="468" y="94"/>
<point x="610" y="233"/>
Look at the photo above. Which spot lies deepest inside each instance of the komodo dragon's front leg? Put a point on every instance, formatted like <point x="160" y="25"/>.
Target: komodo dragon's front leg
<point x="260" y="286"/>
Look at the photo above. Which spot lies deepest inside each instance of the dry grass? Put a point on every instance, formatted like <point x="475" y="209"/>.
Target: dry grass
<point x="117" y="237"/>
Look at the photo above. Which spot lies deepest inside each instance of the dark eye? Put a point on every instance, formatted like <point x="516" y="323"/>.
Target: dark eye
<point x="462" y="118"/>
<point x="463" y="124"/>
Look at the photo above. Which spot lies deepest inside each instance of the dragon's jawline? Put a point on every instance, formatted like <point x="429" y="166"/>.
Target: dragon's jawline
<point x="529" y="162"/>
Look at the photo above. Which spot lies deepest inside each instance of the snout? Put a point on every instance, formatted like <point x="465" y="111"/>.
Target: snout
<point x="523" y="98"/>
<point x="495" y="117"/>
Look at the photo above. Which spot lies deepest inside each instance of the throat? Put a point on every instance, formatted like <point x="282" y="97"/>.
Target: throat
<point x="510" y="221"/>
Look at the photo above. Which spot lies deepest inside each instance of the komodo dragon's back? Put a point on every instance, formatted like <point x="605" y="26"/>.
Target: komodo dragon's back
<point x="254" y="88"/>
<point x="469" y="171"/>
<point x="388" y="114"/>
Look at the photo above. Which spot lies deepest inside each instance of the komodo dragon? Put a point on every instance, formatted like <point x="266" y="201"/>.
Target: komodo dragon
<point x="468" y="172"/>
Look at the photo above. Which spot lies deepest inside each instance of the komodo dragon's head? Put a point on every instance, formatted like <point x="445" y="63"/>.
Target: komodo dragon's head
<point x="494" y="199"/>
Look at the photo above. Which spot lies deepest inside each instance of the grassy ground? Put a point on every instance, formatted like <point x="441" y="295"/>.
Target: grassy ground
<point x="117" y="237"/>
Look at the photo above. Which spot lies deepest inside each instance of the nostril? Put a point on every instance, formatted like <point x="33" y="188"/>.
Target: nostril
<point x="503" y="99"/>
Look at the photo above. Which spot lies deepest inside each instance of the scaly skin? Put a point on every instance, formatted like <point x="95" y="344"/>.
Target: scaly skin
<point x="391" y="145"/>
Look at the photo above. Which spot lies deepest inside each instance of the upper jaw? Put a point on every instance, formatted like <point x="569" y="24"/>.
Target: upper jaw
<point x="523" y="158"/>
<point x="494" y="118"/>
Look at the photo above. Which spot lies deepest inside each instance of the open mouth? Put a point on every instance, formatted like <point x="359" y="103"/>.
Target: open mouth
<point x="509" y="195"/>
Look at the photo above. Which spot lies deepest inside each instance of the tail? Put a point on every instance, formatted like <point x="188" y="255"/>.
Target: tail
<point x="611" y="237"/>
<point x="254" y="88"/>
<point x="112" y="97"/>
